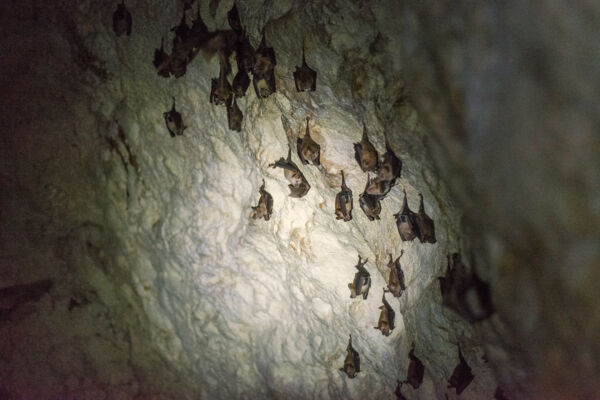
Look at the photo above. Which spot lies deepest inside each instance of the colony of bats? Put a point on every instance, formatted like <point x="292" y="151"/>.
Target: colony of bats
<point x="461" y="289"/>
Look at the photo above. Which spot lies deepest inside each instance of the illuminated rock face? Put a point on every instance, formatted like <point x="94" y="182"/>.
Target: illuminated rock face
<point x="163" y="285"/>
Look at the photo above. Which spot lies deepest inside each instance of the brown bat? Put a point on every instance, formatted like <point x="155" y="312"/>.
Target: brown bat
<point x="406" y="222"/>
<point x="244" y="53"/>
<point x="398" y="391"/>
<point x="220" y="91"/>
<point x="198" y="25"/>
<point x="416" y="370"/>
<point x="234" y="20"/>
<point x="264" y="208"/>
<point x="425" y="224"/>
<point x="343" y="202"/>
<point x="174" y="121"/>
<point x="265" y="58"/>
<point x="396" y="284"/>
<point x="462" y="376"/>
<point x="159" y="57"/>
<point x="391" y="166"/>
<point x="370" y="203"/>
<point x="379" y="187"/>
<point x="122" y="20"/>
<point x="298" y="184"/>
<point x="240" y="84"/>
<point x="11" y="297"/>
<point x="464" y="292"/>
<point x="234" y="115"/>
<point x="365" y="154"/>
<point x="362" y="281"/>
<point x="308" y="149"/>
<point x="181" y="32"/>
<point x="386" y="317"/>
<point x="305" y="77"/>
<point x="264" y="84"/>
<point x="352" y="361"/>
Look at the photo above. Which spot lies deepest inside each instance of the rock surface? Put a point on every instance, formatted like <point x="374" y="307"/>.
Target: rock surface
<point x="166" y="289"/>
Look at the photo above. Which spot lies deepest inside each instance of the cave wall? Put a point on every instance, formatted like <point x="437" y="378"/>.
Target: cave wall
<point x="164" y="288"/>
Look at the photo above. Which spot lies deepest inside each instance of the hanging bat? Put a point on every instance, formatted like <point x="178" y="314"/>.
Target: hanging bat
<point x="379" y="187"/>
<point x="240" y="84"/>
<point x="396" y="284"/>
<point x="461" y="376"/>
<point x="406" y="222"/>
<point x="425" y="224"/>
<point x="352" y="361"/>
<point x="391" y="166"/>
<point x="298" y="184"/>
<point x="365" y="154"/>
<point x="159" y="57"/>
<point x="308" y="149"/>
<point x="362" y="281"/>
<point x="343" y="202"/>
<point x="220" y="91"/>
<point x="122" y="20"/>
<point x="244" y="53"/>
<point x="370" y="203"/>
<point x="264" y="58"/>
<point x="386" y="317"/>
<point x="264" y="208"/>
<point x="305" y="77"/>
<point x="416" y="370"/>
<point x="234" y="20"/>
<point x="264" y="84"/>
<point x="174" y="121"/>
<point x="234" y="115"/>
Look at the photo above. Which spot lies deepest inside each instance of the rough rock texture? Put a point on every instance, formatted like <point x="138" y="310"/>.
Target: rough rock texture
<point x="164" y="288"/>
<point x="510" y="90"/>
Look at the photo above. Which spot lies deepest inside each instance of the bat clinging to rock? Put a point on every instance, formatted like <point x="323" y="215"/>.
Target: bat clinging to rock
<point x="122" y="20"/>
<point x="298" y="184"/>
<point x="308" y="149"/>
<point x="159" y="57"/>
<point x="416" y="370"/>
<point x="464" y="292"/>
<point x="264" y="209"/>
<point x="234" y="20"/>
<point x="240" y="84"/>
<point x="343" y="202"/>
<point x="396" y="283"/>
<point x="425" y="224"/>
<point x="391" y="166"/>
<point x="386" y="317"/>
<point x="244" y="53"/>
<point x="352" y="361"/>
<point x="305" y="77"/>
<point x="220" y="91"/>
<point x="234" y="115"/>
<point x="379" y="187"/>
<point x="264" y="84"/>
<point x="406" y="222"/>
<point x="370" y="203"/>
<point x="264" y="58"/>
<point x="461" y="376"/>
<point x="174" y="121"/>
<point x="365" y="153"/>
<point x="362" y="281"/>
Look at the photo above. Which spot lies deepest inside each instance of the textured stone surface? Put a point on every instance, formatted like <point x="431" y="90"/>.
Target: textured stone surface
<point x="510" y="92"/>
<point x="178" y="294"/>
